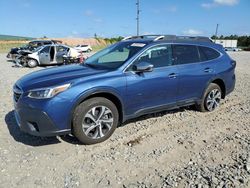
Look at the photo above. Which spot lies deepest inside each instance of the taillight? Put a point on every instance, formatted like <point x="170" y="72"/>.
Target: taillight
<point x="233" y="63"/>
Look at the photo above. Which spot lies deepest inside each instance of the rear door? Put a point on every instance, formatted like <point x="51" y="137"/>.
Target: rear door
<point x="194" y="73"/>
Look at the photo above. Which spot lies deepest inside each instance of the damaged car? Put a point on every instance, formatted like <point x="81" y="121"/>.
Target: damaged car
<point x="53" y="54"/>
<point x="31" y="46"/>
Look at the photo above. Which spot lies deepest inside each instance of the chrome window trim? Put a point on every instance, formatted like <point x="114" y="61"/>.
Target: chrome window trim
<point x="159" y="44"/>
<point x="172" y="43"/>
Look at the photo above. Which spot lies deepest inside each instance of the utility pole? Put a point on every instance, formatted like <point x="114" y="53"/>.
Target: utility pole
<point x="216" y="30"/>
<point x="138" y="17"/>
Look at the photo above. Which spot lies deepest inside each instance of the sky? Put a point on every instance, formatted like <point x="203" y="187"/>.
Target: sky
<point x="112" y="18"/>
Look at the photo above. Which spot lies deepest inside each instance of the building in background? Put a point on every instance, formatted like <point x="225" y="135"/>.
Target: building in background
<point x="226" y="43"/>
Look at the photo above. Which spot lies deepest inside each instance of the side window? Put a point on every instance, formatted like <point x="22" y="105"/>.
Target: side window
<point x="61" y="48"/>
<point x="159" y="56"/>
<point x="184" y="54"/>
<point x="208" y="53"/>
<point x="45" y="49"/>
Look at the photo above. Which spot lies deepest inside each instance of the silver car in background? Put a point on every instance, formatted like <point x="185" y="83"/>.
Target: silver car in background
<point x="46" y="55"/>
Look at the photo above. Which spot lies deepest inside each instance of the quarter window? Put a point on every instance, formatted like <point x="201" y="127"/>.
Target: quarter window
<point x="184" y="54"/>
<point x="208" y="53"/>
<point x="61" y="48"/>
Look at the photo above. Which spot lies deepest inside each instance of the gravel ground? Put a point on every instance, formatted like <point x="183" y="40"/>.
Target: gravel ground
<point x="181" y="148"/>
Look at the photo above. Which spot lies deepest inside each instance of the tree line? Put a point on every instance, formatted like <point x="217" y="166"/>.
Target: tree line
<point x="243" y="41"/>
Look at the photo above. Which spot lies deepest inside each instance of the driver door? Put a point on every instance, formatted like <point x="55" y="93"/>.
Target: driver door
<point x="44" y="55"/>
<point x="147" y="91"/>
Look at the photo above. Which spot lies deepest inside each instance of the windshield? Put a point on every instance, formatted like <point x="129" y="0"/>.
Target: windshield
<point x="38" y="49"/>
<point x="115" y="55"/>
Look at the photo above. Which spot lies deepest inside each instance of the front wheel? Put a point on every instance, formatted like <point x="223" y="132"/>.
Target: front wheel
<point x="32" y="63"/>
<point x="211" y="98"/>
<point x="95" y="120"/>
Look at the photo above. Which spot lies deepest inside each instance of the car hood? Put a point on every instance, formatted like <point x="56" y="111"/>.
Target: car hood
<point x="24" y="52"/>
<point x="56" y="76"/>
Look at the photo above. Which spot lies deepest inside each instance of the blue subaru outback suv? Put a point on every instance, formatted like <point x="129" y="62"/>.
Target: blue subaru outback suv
<point x="136" y="76"/>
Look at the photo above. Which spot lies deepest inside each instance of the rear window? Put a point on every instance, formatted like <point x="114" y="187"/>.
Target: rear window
<point x="184" y="54"/>
<point x="208" y="53"/>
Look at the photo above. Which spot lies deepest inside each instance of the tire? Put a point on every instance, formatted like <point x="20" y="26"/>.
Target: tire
<point x="95" y="120"/>
<point x="32" y="63"/>
<point x="211" y="98"/>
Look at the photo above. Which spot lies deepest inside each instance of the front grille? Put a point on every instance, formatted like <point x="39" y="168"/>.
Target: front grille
<point x="17" y="92"/>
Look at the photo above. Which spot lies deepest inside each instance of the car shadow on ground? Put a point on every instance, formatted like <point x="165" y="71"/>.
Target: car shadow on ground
<point x="159" y="114"/>
<point x="24" y="138"/>
<point x="27" y="139"/>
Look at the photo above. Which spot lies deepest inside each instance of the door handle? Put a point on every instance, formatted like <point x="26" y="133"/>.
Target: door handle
<point x="172" y="75"/>
<point x="208" y="70"/>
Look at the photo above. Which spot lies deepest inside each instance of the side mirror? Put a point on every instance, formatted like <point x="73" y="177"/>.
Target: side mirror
<point x="143" y="67"/>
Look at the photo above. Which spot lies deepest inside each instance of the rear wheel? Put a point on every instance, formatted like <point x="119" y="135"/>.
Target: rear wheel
<point x="95" y="120"/>
<point x="211" y="98"/>
<point x="32" y="63"/>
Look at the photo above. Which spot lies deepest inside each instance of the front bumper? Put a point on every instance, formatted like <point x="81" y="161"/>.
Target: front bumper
<point x="37" y="123"/>
<point x="11" y="56"/>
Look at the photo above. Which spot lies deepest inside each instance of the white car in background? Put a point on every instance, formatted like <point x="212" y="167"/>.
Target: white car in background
<point x="83" y="48"/>
<point x="234" y="49"/>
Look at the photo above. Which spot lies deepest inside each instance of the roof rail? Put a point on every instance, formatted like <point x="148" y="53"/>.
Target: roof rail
<point x="169" y="37"/>
<point x="197" y="38"/>
<point x="126" y="38"/>
<point x="159" y="38"/>
<point x="142" y="37"/>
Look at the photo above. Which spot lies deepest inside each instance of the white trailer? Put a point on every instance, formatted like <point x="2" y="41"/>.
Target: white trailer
<point x="227" y="43"/>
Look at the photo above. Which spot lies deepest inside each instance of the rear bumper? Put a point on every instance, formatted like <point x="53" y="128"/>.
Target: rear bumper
<point x="232" y="86"/>
<point x="37" y="123"/>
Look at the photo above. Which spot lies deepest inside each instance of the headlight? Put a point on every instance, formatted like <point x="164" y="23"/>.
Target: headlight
<point x="44" y="93"/>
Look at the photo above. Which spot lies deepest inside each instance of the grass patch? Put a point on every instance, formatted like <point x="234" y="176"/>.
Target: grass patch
<point x="98" y="47"/>
<point x="5" y="47"/>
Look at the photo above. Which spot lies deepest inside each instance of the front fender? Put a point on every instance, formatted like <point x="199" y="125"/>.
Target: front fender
<point x="84" y="95"/>
<point x="34" y="56"/>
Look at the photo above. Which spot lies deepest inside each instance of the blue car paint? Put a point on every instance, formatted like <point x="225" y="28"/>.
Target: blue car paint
<point x="137" y="93"/>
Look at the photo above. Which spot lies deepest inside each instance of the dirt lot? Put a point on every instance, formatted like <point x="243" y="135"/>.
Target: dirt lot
<point x="182" y="148"/>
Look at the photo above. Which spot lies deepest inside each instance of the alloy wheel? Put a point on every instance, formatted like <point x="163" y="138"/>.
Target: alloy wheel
<point x="213" y="99"/>
<point x="97" y="122"/>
